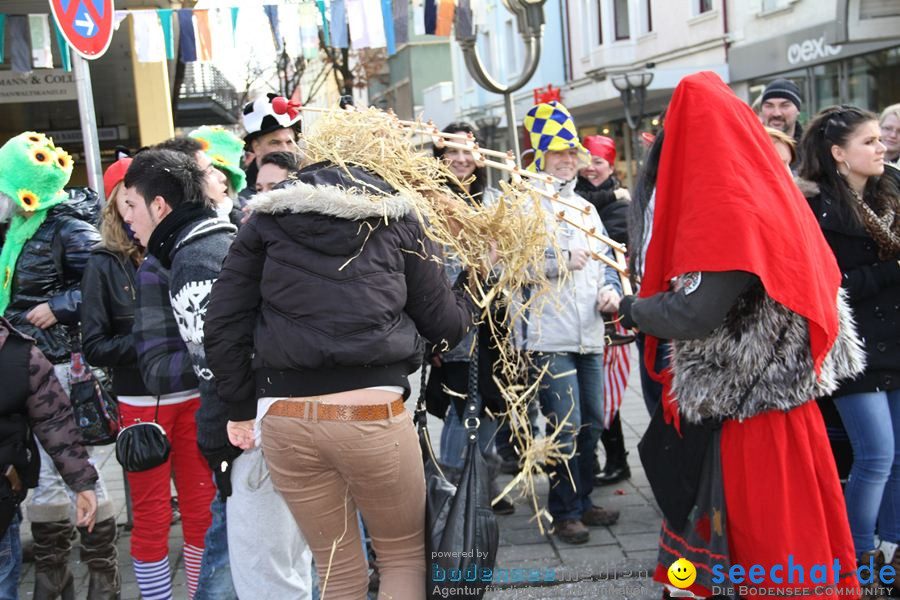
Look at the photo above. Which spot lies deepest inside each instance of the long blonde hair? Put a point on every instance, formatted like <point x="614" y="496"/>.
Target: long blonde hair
<point x="112" y="230"/>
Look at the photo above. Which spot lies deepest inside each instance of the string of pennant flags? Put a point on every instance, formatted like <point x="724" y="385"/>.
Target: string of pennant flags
<point x="355" y="24"/>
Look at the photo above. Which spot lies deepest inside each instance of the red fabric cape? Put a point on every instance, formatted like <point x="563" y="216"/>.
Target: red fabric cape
<point x="726" y="202"/>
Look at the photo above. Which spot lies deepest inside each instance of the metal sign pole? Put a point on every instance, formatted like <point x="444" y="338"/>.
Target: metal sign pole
<point x="88" y="124"/>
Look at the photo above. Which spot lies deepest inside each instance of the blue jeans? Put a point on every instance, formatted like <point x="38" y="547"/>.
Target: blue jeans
<point x="215" y="570"/>
<point x="454" y="440"/>
<point x="10" y="561"/>
<point x="575" y="399"/>
<point x="872" y="421"/>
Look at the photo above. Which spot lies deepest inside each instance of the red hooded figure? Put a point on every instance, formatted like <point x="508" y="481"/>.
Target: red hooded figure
<point x="738" y="275"/>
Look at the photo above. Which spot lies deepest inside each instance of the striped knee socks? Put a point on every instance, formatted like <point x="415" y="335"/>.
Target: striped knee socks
<point x="154" y="579"/>
<point x="192" y="557"/>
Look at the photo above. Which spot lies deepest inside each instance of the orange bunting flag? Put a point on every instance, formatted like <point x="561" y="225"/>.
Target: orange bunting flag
<point x="446" y="10"/>
<point x="204" y="39"/>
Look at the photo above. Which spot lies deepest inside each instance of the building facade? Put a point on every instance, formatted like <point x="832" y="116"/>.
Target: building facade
<point x="790" y="38"/>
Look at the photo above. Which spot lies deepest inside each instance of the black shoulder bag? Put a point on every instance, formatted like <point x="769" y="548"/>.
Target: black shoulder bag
<point x="461" y="532"/>
<point x="143" y="446"/>
<point x="674" y="463"/>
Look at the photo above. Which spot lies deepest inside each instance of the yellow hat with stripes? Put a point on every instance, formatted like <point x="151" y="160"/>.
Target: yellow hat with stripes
<point x="552" y="129"/>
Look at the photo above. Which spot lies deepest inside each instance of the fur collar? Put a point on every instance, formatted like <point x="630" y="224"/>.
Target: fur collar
<point x="352" y="204"/>
<point x="810" y="189"/>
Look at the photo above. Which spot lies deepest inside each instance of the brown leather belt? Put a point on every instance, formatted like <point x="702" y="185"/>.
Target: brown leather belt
<point x="313" y="411"/>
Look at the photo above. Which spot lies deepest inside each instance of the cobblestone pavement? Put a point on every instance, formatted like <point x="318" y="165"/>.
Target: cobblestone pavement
<point x="617" y="562"/>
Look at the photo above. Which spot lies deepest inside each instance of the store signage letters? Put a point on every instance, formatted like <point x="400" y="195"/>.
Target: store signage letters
<point x="810" y="50"/>
<point x="37" y="86"/>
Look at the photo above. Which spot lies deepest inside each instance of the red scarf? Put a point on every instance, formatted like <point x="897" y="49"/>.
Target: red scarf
<point x="726" y="202"/>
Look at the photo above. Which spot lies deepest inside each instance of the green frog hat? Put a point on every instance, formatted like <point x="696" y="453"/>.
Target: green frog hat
<point x="225" y="150"/>
<point x="33" y="173"/>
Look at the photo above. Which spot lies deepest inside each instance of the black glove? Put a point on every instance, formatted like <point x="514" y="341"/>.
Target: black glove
<point x="220" y="461"/>
<point x="625" y="312"/>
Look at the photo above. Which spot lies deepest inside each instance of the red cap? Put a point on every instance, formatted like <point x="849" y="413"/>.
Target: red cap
<point x="602" y="146"/>
<point x="114" y="174"/>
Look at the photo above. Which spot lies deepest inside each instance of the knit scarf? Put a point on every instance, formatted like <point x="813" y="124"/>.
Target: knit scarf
<point x="162" y="240"/>
<point x="21" y="229"/>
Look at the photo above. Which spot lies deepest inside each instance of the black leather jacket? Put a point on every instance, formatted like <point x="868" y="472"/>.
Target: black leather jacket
<point x="49" y="270"/>
<point x="109" y="298"/>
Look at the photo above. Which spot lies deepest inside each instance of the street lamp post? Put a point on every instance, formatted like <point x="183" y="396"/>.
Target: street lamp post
<point x="633" y="89"/>
<point x="530" y="24"/>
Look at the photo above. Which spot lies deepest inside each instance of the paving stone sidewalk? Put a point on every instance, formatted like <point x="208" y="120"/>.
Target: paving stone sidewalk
<point x="617" y="562"/>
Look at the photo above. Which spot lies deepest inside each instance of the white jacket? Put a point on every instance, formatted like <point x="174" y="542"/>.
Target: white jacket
<point x="566" y="319"/>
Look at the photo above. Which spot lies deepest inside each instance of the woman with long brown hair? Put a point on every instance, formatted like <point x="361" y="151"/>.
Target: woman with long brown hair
<point x="842" y="177"/>
<point x="166" y="392"/>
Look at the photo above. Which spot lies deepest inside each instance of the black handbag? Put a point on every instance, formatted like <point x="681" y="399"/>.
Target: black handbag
<point x="143" y="446"/>
<point x="673" y="463"/>
<point x="461" y="532"/>
<point x="96" y="412"/>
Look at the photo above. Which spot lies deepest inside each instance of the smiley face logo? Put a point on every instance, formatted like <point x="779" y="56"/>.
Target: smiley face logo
<point x="682" y="573"/>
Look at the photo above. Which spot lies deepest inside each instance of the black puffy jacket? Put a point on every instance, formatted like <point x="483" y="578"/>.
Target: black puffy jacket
<point x="327" y="290"/>
<point x="873" y="285"/>
<point x="108" y="301"/>
<point x="49" y="270"/>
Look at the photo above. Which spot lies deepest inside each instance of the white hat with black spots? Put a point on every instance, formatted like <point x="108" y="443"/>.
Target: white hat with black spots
<point x="260" y="118"/>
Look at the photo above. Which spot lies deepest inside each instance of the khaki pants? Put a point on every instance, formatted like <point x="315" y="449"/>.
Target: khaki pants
<point x="326" y="470"/>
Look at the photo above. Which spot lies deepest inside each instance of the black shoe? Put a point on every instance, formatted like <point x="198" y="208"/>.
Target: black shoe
<point x="503" y="507"/>
<point x="613" y="475"/>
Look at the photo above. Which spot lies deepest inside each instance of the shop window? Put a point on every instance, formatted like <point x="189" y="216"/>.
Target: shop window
<point x="623" y="28"/>
<point x="872" y="81"/>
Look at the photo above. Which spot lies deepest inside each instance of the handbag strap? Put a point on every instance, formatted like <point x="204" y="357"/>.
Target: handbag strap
<point x="471" y="420"/>
<point x="762" y="371"/>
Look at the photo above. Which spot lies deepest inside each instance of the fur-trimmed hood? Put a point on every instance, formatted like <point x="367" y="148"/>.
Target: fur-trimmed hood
<point x="810" y="189"/>
<point x="352" y="194"/>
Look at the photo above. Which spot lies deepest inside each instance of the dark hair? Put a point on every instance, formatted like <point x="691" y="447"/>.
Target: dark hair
<point x="639" y="202"/>
<point x="834" y="126"/>
<point x="477" y="187"/>
<point x="289" y="161"/>
<point x="183" y="145"/>
<point x="166" y="173"/>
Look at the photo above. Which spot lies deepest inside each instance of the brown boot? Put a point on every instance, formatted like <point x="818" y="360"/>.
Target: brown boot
<point x="873" y="559"/>
<point x="572" y="531"/>
<point x="52" y="578"/>
<point x="99" y="553"/>
<point x="597" y="516"/>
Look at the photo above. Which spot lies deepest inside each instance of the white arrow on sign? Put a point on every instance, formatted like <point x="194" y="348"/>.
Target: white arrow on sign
<point x="88" y="24"/>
